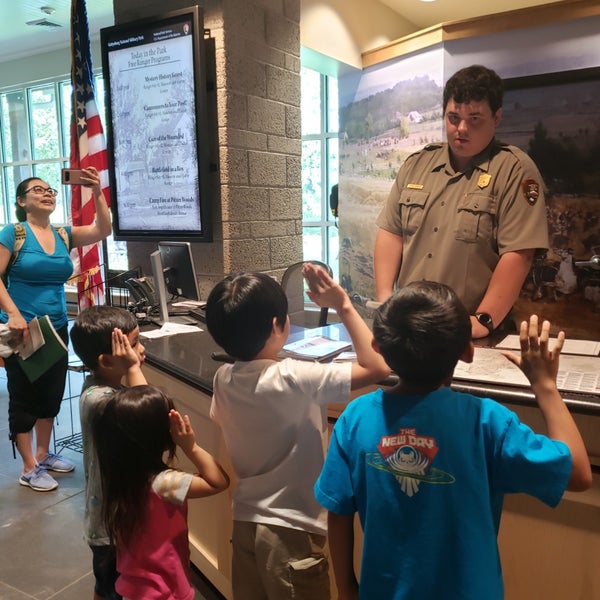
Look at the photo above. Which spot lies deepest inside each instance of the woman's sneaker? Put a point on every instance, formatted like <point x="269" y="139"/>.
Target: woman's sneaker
<point x="39" y="480"/>
<point x="53" y="462"/>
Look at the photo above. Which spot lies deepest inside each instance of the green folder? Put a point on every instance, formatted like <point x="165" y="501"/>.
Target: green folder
<point x="48" y="355"/>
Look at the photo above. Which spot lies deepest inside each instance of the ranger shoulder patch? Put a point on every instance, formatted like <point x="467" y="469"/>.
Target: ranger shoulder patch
<point x="531" y="190"/>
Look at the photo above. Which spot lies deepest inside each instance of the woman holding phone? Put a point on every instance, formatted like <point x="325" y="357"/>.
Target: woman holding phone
<point x="33" y="286"/>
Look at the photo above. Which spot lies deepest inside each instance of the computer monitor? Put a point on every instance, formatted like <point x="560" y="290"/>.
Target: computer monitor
<point x="178" y="270"/>
<point x="159" y="287"/>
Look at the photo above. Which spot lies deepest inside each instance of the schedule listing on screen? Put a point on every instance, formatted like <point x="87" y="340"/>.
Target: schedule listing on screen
<point x="152" y="97"/>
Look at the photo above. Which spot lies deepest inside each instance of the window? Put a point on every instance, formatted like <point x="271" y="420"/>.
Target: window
<point x="35" y="142"/>
<point x="319" y="109"/>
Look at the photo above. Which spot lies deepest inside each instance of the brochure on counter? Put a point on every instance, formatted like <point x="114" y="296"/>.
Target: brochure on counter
<point x="580" y="347"/>
<point x="169" y="328"/>
<point x="577" y="373"/>
<point x="318" y="347"/>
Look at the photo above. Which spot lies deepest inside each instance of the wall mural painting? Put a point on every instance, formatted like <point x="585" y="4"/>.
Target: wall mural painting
<point x="389" y="113"/>
<point x="554" y="117"/>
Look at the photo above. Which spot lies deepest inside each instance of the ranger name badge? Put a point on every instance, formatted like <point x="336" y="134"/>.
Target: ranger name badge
<point x="484" y="180"/>
<point x="415" y="186"/>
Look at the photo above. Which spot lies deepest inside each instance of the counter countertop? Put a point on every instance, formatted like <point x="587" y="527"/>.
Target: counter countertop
<point x="188" y="357"/>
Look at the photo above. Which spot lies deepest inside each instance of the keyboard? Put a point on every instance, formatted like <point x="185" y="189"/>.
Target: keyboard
<point x="175" y="311"/>
<point x="198" y="313"/>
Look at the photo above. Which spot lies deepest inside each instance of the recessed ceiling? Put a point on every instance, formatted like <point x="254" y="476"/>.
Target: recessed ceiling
<point x="18" y="39"/>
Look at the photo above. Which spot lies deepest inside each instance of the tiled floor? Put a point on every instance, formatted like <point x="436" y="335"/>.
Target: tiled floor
<point x="43" y="554"/>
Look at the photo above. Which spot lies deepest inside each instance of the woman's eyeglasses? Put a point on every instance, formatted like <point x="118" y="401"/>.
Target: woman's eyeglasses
<point x="38" y="189"/>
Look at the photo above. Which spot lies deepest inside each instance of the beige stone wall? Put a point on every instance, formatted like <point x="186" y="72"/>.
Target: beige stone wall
<point x="257" y="191"/>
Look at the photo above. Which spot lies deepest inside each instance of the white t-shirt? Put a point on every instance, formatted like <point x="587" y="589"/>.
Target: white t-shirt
<point x="273" y="415"/>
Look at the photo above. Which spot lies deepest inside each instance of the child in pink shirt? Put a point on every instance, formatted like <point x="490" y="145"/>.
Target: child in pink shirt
<point x="145" y="500"/>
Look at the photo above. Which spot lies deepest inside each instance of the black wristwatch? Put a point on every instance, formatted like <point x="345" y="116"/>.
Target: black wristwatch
<point x="486" y="320"/>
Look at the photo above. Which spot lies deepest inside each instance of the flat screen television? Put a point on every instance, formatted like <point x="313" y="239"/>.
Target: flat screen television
<point x="158" y="135"/>
<point x="178" y="269"/>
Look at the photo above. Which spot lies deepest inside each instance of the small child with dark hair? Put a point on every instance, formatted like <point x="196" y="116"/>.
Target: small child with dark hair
<point x="427" y="467"/>
<point x="273" y="415"/>
<point x="145" y="499"/>
<point x="107" y="340"/>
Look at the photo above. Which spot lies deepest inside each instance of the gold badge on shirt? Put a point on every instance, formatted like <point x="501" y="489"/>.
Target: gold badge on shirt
<point x="484" y="180"/>
<point x="415" y="186"/>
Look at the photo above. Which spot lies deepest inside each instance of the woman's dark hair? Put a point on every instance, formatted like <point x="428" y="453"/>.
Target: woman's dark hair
<point x="20" y="193"/>
<point x="422" y="331"/>
<point x="131" y="432"/>
<point x="475" y="83"/>
<point x="91" y="334"/>
<point x="240" y="311"/>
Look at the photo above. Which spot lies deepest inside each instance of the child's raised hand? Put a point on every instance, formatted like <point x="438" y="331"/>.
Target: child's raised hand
<point x="122" y="350"/>
<point x="322" y="289"/>
<point x="537" y="361"/>
<point x="181" y="431"/>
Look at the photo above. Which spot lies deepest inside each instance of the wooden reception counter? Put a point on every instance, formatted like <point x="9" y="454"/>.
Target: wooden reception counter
<point x="546" y="553"/>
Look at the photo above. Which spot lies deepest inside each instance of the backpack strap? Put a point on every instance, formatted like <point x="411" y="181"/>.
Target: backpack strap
<point x="20" y="233"/>
<point x="64" y="236"/>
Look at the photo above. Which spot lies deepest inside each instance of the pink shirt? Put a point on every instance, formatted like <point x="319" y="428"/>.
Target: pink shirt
<point x="155" y="565"/>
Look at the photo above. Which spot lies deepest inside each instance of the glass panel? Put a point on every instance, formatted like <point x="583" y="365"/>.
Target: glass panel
<point x="64" y="195"/>
<point x="312" y="246"/>
<point x="99" y="96"/>
<point x="117" y="254"/>
<point x="333" y="251"/>
<point x="44" y="122"/>
<point x="66" y="96"/>
<point x="332" y="161"/>
<point x="310" y="107"/>
<point x="14" y="176"/>
<point x="332" y="105"/>
<point x="311" y="180"/>
<point x="50" y="173"/>
<point x="4" y="201"/>
<point x="10" y="187"/>
<point x="16" y="132"/>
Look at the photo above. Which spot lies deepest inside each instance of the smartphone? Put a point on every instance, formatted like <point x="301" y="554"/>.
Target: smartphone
<point x="71" y="176"/>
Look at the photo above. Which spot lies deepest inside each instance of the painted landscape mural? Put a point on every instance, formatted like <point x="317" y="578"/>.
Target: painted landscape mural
<point x="386" y="115"/>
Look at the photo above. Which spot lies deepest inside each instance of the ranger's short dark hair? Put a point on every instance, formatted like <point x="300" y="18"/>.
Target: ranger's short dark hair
<point x="475" y="83"/>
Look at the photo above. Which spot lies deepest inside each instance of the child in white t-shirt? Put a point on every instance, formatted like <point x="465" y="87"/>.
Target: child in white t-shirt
<point x="273" y="415"/>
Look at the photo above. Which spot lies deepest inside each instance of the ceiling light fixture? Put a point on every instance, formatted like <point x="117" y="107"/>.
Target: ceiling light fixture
<point x="43" y="23"/>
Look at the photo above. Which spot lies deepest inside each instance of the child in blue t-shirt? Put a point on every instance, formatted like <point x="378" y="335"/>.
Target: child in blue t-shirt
<point x="427" y="468"/>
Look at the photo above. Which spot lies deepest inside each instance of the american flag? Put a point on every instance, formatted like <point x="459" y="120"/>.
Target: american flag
<point x="88" y="149"/>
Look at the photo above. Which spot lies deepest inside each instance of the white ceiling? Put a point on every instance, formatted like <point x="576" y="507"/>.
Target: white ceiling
<point x="18" y="39"/>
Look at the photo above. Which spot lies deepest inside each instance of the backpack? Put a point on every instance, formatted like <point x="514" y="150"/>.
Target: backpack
<point x="20" y="234"/>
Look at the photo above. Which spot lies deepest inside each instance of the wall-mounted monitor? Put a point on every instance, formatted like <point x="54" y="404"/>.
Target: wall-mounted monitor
<point x="178" y="269"/>
<point x="157" y="131"/>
